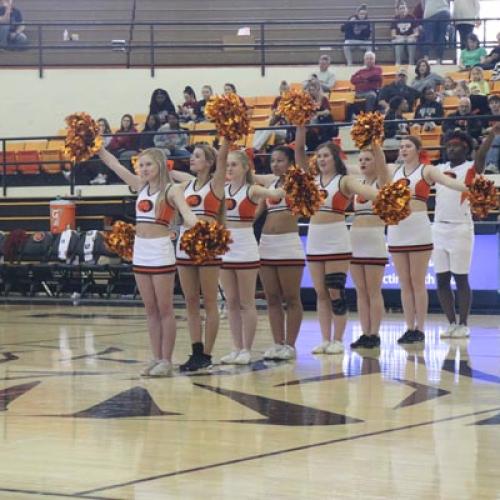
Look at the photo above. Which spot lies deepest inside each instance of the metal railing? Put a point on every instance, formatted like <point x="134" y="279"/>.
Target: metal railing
<point x="260" y="43"/>
<point x="8" y="140"/>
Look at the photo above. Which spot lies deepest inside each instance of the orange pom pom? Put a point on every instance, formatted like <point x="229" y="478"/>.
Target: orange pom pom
<point x="367" y="129"/>
<point x="230" y="116"/>
<point x="297" y="106"/>
<point x="82" y="137"/>
<point x="302" y="192"/>
<point x="483" y="196"/>
<point x="392" y="204"/>
<point x="205" y="241"/>
<point x="120" y="239"/>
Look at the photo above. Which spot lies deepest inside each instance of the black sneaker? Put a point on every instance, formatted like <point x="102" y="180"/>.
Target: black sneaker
<point x="373" y="342"/>
<point x="407" y="338"/>
<point x="361" y="342"/>
<point x="196" y="362"/>
<point x="418" y="336"/>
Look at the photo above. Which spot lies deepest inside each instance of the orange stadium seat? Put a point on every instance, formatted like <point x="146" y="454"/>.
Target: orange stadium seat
<point x="342" y="86"/>
<point x="10" y="157"/>
<point x="32" y="159"/>
<point x="264" y="101"/>
<point x="338" y="109"/>
<point x="54" y="155"/>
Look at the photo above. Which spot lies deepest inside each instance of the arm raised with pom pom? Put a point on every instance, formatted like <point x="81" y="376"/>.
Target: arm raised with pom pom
<point x="133" y="180"/>
<point x="300" y="148"/>
<point x="219" y="177"/>
<point x="432" y="174"/>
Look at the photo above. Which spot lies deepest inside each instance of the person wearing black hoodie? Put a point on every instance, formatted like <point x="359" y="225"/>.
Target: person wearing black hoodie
<point x="357" y="31"/>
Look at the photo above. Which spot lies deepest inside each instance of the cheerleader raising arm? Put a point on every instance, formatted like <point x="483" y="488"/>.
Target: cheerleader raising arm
<point x="178" y="176"/>
<point x="133" y="180"/>
<point x="300" y="144"/>
<point x="384" y="174"/>
<point x="219" y="177"/>
<point x="432" y="175"/>
<point x="258" y="193"/>
<point x="350" y="185"/>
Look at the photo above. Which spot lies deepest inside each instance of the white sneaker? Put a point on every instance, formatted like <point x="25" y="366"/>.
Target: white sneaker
<point x="244" y="357"/>
<point x="321" y="349"/>
<point x="335" y="347"/>
<point x="448" y="333"/>
<point x="98" y="179"/>
<point x="162" y="369"/>
<point x="151" y="364"/>
<point x="272" y="352"/>
<point x="286" y="352"/>
<point x="228" y="359"/>
<point x="461" y="332"/>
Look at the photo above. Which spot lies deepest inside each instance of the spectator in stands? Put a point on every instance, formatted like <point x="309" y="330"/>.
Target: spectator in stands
<point x="465" y="15"/>
<point x="424" y="76"/>
<point x="493" y="58"/>
<point x="394" y="132"/>
<point x="367" y="81"/>
<point x="261" y="137"/>
<point x="206" y="93"/>
<point x="146" y="140"/>
<point x="325" y="75"/>
<point x="105" y="129"/>
<point x="124" y="146"/>
<point x="161" y="105"/>
<point x="317" y="135"/>
<point x="398" y="88"/>
<point x="404" y="33"/>
<point x="429" y="107"/>
<point x="472" y="126"/>
<point x="357" y="31"/>
<point x="493" y="154"/>
<point x="478" y="85"/>
<point x="230" y="88"/>
<point x="187" y="111"/>
<point x="435" y="23"/>
<point x="11" y="26"/>
<point x="473" y="54"/>
<point x="172" y="144"/>
<point x="449" y="86"/>
<point x="479" y="102"/>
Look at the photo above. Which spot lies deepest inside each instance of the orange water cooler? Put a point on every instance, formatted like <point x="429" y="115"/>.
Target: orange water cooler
<point x="62" y="215"/>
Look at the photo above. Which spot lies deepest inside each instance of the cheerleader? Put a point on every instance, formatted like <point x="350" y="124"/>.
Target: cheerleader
<point x="328" y="244"/>
<point x="453" y="230"/>
<point x="240" y="265"/>
<point x="282" y="261"/>
<point x="369" y="254"/>
<point x="204" y="193"/>
<point x="410" y="242"/>
<point x="154" y="256"/>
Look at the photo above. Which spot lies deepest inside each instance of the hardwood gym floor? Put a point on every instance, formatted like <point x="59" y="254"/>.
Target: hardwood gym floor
<point x="78" y="421"/>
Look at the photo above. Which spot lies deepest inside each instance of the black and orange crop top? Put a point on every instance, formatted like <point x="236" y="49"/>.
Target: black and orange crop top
<point x="419" y="187"/>
<point x="145" y="208"/>
<point x="334" y="200"/>
<point x="202" y="201"/>
<point x="239" y="206"/>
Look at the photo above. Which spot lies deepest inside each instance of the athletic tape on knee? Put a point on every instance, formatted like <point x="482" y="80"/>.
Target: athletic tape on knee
<point x="337" y="281"/>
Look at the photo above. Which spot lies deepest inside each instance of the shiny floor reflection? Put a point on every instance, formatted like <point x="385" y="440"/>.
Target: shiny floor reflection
<point x="78" y="421"/>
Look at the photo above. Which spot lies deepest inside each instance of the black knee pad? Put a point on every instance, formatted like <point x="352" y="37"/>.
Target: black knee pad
<point x="337" y="281"/>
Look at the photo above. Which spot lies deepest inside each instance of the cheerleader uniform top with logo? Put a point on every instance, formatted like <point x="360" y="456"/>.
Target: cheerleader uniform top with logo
<point x="330" y="241"/>
<point x="282" y="205"/>
<point x="368" y="243"/>
<point x="153" y="255"/>
<point x="280" y="249"/>
<point x="239" y="206"/>
<point x="243" y="251"/>
<point x="203" y="202"/>
<point x="453" y="230"/>
<point x="412" y="234"/>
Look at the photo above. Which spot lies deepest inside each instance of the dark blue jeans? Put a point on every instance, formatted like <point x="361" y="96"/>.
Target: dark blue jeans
<point x="435" y="33"/>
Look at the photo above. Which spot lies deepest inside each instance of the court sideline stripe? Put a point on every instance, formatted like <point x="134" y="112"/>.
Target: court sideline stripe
<point x="52" y="494"/>
<point x="279" y="452"/>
